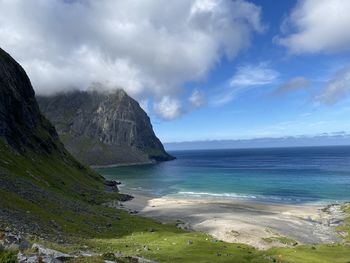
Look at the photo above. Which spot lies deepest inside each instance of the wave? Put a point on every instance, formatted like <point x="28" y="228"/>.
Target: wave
<point x="217" y="194"/>
<point x="262" y="198"/>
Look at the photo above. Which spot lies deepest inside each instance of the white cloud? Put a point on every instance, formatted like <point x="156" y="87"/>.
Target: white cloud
<point x="293" y="84"/>
<point x="149" y="48"/>
<point x="337" y="88"/>
<point x="246" y="78"/>
<point x="197" y="98"/>
<point x="317" y="26"/>
<point x="254" y="75"/>
<point x="168" y="108"/>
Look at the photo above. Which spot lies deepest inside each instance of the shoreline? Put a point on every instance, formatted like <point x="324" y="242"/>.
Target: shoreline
<point x="262" y="225"/>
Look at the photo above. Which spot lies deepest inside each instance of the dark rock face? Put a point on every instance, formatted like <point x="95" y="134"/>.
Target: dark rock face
<point x="103" y="129"/>
<point x="21" y="124"/>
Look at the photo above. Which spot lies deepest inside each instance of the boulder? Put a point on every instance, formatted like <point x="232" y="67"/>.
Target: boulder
<point x="110" y="183"/>
<point x="12" y="241"/>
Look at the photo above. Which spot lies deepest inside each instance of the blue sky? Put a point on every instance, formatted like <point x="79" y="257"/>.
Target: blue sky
<point x="258" y="110"/>
<point x="202" y="69"/>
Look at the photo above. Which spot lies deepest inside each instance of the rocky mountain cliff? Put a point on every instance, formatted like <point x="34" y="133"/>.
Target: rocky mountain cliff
<point x="38" y="177"/>
<point x="103" y="128"/>
<point x="21" y="124"/>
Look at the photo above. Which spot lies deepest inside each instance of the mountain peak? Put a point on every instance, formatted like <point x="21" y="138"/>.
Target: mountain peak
<point x="103" y="128"/>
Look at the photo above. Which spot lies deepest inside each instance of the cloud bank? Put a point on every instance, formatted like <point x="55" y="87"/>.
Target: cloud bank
<point x="149" y="48"/>
<point x="316" y="26"/>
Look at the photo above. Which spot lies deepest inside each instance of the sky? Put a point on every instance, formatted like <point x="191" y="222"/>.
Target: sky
<point x="201" y="69"/>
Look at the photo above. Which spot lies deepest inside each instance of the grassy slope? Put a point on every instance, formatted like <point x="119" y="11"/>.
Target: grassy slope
<point x="70" y="195"/>
<point x="41" y="188"/>
<point x="313" y="254"/>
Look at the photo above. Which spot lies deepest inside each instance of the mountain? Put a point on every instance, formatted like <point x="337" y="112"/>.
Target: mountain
<point x="39" y="179"/>
<point x="103" y="128"/>
<point x="22" y="126"/>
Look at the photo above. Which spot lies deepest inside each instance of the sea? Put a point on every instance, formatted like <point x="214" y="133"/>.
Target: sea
<point x="300" y="175"/>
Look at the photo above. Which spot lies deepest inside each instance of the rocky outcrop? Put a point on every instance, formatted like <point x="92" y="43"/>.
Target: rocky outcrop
<point x="21" y="124"/>
<point x="36" y="253"/>
<point x="103" y="128"/>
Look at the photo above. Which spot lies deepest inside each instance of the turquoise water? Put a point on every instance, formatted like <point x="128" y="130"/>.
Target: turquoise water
<point x="282" y="175"/>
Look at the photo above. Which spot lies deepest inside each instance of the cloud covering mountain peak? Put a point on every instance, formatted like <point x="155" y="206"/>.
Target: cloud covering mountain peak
<point x="149" y="48"/>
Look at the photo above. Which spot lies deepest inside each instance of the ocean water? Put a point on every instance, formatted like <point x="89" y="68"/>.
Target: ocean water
<point x="280" y="175"/>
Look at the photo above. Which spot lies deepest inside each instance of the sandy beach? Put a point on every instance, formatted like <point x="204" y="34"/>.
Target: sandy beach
<point x="257" y="224"/>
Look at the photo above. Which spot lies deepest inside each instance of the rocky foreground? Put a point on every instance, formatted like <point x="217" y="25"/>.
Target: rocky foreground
<point x="27" y="252"/>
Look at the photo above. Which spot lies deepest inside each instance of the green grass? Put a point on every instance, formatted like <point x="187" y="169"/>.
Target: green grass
<point x="312" y="254"/>
<point x="281" y="239"/>
<point x="8" y="256"/>
<point x="38" y="188"/>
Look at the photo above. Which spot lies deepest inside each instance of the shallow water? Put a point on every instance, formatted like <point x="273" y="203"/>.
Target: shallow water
<point x="280" y="175"/>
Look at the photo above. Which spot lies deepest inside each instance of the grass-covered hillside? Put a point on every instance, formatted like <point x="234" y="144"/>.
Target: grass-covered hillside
<point x="41" y="191"/>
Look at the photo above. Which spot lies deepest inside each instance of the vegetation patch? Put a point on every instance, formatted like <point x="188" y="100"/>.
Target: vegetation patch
<point x="337" y="253"/>
<point x="344" y="229"/>
<point x="8" y="256"/>
<point x="281" y="239"/>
